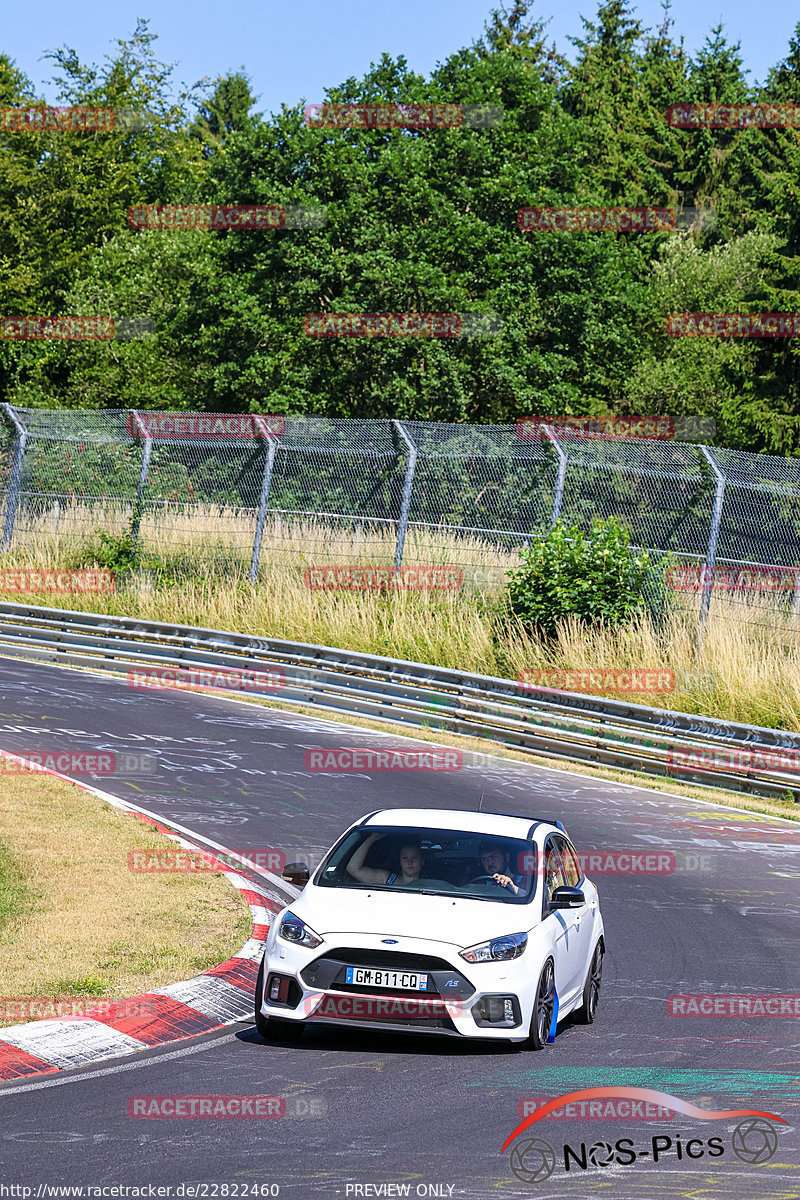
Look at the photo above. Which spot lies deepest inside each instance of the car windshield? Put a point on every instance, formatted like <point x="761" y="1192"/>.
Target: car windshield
<point x="433" y="861"/>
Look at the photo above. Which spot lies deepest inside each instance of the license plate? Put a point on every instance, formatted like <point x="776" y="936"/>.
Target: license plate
<point x="410" y="981"/>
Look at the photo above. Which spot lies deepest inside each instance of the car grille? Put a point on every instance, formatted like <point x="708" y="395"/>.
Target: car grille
<point x="328" y="973"/>
<point x="391" y="959"/>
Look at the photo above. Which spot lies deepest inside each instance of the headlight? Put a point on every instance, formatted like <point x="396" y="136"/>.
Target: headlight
<point x="509" y="946"/>
<point x="294" y="930"/>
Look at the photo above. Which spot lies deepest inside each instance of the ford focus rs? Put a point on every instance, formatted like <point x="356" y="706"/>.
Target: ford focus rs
<point x="475" y="925"/>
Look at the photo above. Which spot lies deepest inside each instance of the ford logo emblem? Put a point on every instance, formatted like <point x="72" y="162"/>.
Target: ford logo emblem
<point x="389" y="941"/>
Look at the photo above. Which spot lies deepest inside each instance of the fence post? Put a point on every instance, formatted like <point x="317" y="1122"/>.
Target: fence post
<point x="405" y="506"/>
<point x="15" y="481"/>
<point x="796" y="597"/>
<point x="561" y="454"/>
<point x="144" y="433"/>
<point x="266" y="484"/>
<point x="713" y="539"/>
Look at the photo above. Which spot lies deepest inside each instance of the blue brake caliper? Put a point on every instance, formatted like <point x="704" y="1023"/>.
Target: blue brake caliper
<point x="551" y="1037"/>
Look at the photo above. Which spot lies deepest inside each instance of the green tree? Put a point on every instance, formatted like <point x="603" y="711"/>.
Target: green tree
<point x="225" y="111"/>
<point x="423" y="221"/>
<point x="711" y="376"/>
<point x="153" y="274"/>
<point x="63" y="195"/>
<point x="17" y="177"/>
<point x="416" y="221"/>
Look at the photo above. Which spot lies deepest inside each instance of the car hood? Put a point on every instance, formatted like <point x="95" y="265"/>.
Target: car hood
<point x="457" y="921"/>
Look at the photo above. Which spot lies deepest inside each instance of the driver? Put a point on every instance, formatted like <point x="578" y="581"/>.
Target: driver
<point x="410" y="864"/>
<point x="495" y="859"/>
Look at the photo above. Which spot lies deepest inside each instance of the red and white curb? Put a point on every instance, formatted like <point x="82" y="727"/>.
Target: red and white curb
<point x="220" y="996"/>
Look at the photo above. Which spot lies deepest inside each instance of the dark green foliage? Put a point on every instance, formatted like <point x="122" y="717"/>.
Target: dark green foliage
<point x="115" y="553"/>
<point x="87" y="470"/>
<point x="225" y="111"/>
<point x="417" y="221"/>
<point x="593" y="576"/>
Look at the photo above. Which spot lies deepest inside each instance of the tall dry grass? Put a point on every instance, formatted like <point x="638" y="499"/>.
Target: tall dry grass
<point x="195" y="567"/>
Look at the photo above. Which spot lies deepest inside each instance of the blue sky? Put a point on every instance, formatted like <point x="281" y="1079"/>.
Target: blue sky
<point x="293" y="51"/>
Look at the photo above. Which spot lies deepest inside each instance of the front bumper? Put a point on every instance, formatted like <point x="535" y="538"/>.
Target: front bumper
<point x="483" y="1000"/>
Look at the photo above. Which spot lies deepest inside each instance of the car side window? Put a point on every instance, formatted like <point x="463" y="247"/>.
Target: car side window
<point x="553" y="871"/>
<point x="572" y="868"/>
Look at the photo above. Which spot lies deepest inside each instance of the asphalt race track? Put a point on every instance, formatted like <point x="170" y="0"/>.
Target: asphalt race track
<point x="389" y="1115"/>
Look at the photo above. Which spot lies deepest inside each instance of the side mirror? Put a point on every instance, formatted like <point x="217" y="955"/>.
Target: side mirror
<point x="296" y="873"/>
<point x="567" y="897"/>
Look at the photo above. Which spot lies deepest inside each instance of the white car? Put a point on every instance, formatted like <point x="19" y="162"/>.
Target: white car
<point x="471" y="924"/>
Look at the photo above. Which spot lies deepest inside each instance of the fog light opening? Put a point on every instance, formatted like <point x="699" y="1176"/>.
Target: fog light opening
<point x="278" y="989"/>
<point x="497" y="1010"/>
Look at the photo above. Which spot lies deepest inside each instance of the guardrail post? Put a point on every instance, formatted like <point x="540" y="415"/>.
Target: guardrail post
<point x="713" y="539"/>
<point x="561" y="454"/>
<point x="266" y="484"/>
<point x="405" y="506"/>
<point x="144" y="433"/>
<point x="15" y="482"/>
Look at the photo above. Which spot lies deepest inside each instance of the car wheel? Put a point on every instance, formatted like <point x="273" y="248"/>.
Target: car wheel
<point x="543" y="1006"/>
<point x="591" y="990"/>
<point x="273" y="1028"/>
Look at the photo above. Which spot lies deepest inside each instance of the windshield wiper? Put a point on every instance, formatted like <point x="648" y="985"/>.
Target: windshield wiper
<point x="430" y="892"/>
<point x="491" y="899"/>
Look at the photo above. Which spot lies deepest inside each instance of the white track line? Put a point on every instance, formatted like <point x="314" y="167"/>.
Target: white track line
<point x="338" y="725"/>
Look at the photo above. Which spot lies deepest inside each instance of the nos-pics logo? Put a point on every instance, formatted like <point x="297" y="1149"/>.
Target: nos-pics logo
<point x="532" y="1159"/>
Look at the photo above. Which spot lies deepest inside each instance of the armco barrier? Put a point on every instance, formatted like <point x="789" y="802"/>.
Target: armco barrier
<point x="571" y="726"/>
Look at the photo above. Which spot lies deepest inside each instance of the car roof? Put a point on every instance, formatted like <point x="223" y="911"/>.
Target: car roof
<point x="466" y="820"/>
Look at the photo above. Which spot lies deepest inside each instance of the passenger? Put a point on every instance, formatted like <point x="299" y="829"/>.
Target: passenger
<point x="495" y="859"/>
<point x="410" y="864"/>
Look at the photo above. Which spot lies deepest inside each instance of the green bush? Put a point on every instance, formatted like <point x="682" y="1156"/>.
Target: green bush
<point x="114" y="553"/>
<point x="594" y="576"/>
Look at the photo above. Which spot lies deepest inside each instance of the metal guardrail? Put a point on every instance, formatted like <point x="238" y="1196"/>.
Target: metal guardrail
<point x="571" y="726"/>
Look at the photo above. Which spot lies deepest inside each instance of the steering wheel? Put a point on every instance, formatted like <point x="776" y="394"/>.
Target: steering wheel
<point x="485" y="879"/>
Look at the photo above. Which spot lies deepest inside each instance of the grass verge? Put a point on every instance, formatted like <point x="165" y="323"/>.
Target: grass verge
<point x="192" y="570"/>
<point x="74" y="921"/>
<point x="15" y="894"/>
